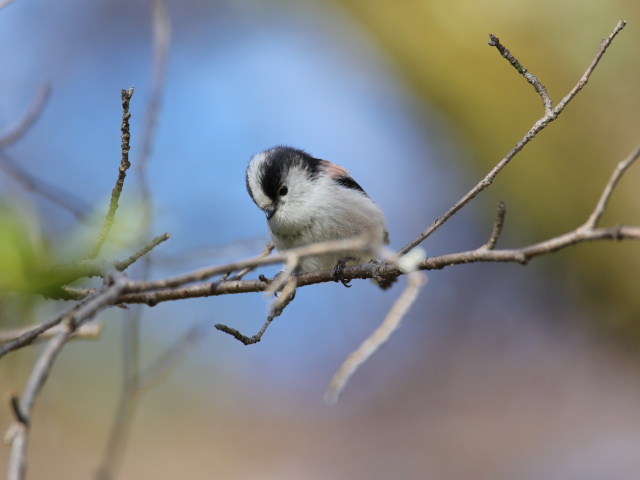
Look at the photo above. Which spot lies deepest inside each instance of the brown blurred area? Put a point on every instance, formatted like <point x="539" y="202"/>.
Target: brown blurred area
<point x="529" y="373"/>
<point x="517" y="400"/>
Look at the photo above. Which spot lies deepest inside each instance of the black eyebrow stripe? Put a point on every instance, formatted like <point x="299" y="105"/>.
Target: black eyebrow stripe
<point x="349" y="182"/>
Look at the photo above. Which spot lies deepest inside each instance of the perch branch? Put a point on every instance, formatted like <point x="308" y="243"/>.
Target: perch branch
<point x="260" y="260"/>
<point x="517" y="255"/>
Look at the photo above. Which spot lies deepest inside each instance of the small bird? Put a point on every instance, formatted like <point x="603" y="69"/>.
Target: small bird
<point x="308" y="200"/>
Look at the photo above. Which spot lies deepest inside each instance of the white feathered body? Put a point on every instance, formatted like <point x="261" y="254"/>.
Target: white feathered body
<point x="344" y="214"/>
<point x="322" y="203"/>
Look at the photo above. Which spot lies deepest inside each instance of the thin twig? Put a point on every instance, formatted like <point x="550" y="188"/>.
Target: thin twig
<point x="623" y="165"/>
<point x="391" y="323"/>
<point x="119" y="433"/>
<point x="90" y="331"/>
<point x="172" y="356"/>
<point x="122" y="173"/>
<point x="268" y="249"/>
<point x="124" y="264"/>
<point x="161" y="38"/>
<point x="498" y="223"/>
<point x="286" y="296"/>
<point x="62" y="275"/>
<point x="29" y="118"/>
<point x="284" y="277"/>
<point x="530" y="135"/>
<point x="594" y="63"/>
<point x="243" y="338"/>
<point x="29" y="336"/>
<point x="540" y="89"/>
<point x="55" y="195"/>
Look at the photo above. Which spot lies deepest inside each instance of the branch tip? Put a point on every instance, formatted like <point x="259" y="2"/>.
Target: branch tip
<point x="15" y="408"/>
<point x="498" y="224"/>
<point x="237" y="335"/>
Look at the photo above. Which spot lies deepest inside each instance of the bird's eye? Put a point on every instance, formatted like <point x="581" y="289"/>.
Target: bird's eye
<point x="282" y="191"/>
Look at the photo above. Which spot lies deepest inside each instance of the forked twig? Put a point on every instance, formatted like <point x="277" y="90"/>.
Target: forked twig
<point x="287" y="294"/>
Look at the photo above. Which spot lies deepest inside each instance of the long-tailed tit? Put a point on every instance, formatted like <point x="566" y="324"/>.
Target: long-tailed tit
<point x="308" y="200"/>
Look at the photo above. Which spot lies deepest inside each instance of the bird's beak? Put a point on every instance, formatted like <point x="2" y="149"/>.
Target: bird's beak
<point x="270" y="211"/>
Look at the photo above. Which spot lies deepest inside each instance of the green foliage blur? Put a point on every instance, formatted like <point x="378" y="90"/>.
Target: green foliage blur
<point x="23" y="256"/>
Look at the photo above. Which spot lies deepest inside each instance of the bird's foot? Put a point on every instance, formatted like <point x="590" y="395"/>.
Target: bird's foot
<point x="337" y="271"/>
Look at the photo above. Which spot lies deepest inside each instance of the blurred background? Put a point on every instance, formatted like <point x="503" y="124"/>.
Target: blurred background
<point x="499" y="371"/>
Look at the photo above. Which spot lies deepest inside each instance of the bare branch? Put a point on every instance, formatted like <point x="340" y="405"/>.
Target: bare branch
<point x="530" y="135"/>
<point x="122" y="173"/>
<point x="391" y="323"/>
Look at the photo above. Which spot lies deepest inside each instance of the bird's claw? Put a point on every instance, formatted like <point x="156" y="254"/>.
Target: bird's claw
<point x="337" y="271"/>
